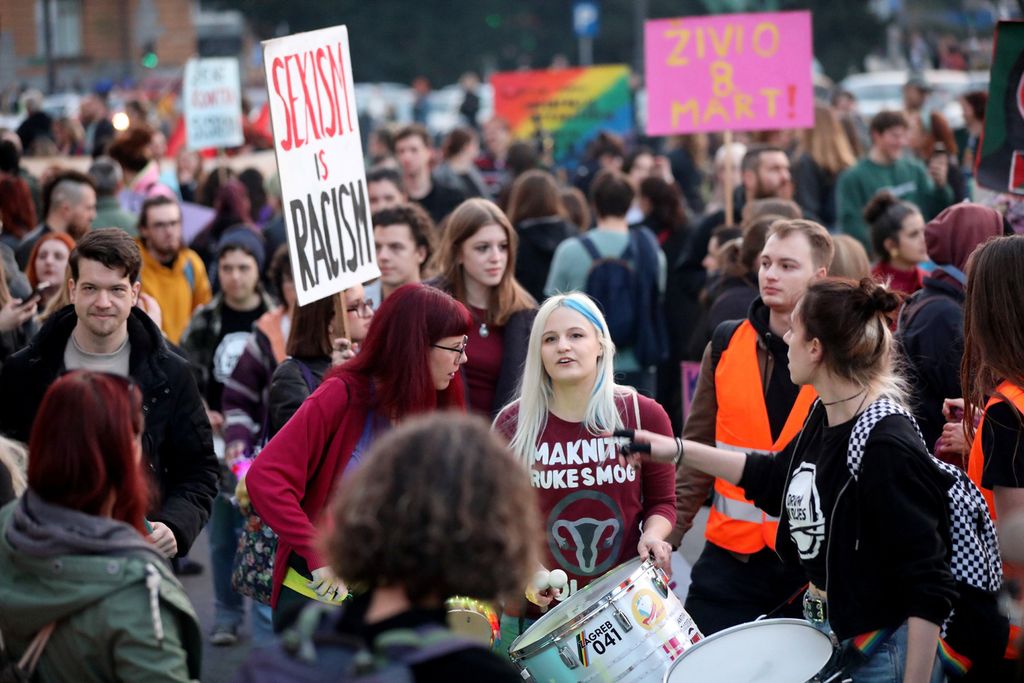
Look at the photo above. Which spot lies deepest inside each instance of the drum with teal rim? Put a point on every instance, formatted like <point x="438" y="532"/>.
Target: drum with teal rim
<point x="625" y="626"/>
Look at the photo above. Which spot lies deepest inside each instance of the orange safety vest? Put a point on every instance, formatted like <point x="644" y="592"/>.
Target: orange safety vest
<point x="735" y="523"/>
<point x="976" y="464"/>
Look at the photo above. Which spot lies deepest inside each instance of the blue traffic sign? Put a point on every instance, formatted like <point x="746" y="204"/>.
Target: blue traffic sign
<point x="586" y="18"/>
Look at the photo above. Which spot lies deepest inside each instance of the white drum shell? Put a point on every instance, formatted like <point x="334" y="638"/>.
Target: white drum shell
<point x="625" y="626"/>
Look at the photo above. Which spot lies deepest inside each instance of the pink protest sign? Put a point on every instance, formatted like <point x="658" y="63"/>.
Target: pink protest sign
<point x="729" y="72"/>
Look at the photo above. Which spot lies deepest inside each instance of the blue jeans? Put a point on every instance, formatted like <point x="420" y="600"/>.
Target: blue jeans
<point x="229" y="607"/>
<point x="886" y="664"/>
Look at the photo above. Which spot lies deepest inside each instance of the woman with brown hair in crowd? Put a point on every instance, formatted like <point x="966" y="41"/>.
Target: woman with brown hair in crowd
<point x="824" y="153"/>
<point x="476" y="259"/>
<point x="897" y="236"/>
<point x="536" y="211"/>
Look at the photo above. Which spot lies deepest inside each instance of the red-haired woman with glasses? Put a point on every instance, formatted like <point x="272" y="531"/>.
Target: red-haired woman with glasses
<point x="74" y="558"/>
<point x="408" y="364"/>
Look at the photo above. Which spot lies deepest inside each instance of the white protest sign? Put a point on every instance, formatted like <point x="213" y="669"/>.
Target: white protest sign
<point x="212" y="94"/>
<point x="320" y="161"/>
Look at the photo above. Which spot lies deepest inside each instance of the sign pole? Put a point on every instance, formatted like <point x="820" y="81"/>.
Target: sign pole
<point x="727" y="143"/>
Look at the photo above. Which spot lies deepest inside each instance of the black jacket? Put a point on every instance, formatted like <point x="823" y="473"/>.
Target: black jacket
<point x="931" y="339"/>
<point x="288" y="388"/>
<point x="177" y="441"/>
<point x="887" y="534"/>
<point x="538" y="238"/>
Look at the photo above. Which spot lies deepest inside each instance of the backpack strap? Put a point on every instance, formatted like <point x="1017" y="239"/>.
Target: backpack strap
<point x="975" y="558"/>
<point x="591" y="248"/>
<point x="307" y="375"/>
<point x="879" y="409"/>
<point x="720" y="339"/>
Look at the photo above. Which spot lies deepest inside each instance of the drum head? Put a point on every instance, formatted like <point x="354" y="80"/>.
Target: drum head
<point x="768" y="651"/>
<point x="584" y="599"/>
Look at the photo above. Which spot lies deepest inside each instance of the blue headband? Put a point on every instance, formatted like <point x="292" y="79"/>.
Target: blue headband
<point x="594" y="320"/>
<point x="582" y="310"/>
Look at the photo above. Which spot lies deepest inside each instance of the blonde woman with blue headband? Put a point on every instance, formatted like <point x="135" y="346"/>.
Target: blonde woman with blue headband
<point x="596" y="513"/>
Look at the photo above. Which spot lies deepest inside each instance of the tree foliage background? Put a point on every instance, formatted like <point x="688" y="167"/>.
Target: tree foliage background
<point x="397" y="40"/>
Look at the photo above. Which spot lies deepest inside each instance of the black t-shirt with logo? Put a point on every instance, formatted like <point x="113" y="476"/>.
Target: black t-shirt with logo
<point x="235" y="328"/>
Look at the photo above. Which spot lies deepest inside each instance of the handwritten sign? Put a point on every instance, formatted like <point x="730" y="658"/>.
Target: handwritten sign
<point x="212" y="98"/>
<point x="568" y="106"/>
<point x="729" y="72"/>
<point x="320" y="161"/>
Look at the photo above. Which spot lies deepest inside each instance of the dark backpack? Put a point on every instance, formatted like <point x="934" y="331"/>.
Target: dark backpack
<point x="626" y="289"/>
<point x="313" y="651"/>
<point x="720" y="340"/>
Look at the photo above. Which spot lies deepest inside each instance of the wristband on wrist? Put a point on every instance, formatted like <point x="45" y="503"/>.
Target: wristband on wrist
<point x="679" y="452"/>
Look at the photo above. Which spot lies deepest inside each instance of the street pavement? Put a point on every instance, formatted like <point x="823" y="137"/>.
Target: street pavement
<point x="221" y="663"/>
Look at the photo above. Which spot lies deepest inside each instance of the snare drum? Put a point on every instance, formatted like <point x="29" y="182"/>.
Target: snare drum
<point x="473" y="619"/>
<point x="625" y="626"/>
<point x="767" y="651"/>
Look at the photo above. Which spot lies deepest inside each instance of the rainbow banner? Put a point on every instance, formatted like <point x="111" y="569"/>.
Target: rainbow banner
<point x="567" y="106"/>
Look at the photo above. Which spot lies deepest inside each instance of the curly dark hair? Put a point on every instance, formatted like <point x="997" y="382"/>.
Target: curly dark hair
<point x="439" y="507"/>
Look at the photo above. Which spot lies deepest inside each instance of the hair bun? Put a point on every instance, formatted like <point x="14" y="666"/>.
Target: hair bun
<point x="878" y="298"/>
<point x="879" y="204"/>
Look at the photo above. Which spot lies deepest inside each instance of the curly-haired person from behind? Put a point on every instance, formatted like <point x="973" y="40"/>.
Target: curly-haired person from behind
<point x="439" y="508"/>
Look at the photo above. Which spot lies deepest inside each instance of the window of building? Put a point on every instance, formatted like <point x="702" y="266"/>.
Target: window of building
<point x="65" y="27"/>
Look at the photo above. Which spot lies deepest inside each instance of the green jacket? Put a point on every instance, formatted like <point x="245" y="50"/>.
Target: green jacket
<point x="107" y="626"/>
<point x="109" y="214"/>
<point x="906" y="178"/>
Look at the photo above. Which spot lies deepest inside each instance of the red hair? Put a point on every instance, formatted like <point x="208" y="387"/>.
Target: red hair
<point x="17" y="212"/>
<point x="30" y="269"/>
<point x="82" y="448"/>
<point x="396" y="350"/>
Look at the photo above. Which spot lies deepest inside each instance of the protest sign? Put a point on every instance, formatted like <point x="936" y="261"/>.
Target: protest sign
<point x="320" y="161"/>
<point x="212" y="99"/>
<point x="729" y="72"/>
<point x="567" y="106"/>
<point x="1000" y="166"/>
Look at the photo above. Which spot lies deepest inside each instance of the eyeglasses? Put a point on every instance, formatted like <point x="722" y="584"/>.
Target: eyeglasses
<point x="461" y="349"/>
<point x="364" y="308"/>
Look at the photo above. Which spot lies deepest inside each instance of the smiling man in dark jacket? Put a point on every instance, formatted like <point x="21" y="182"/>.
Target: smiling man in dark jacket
<point x="103" y="331"/>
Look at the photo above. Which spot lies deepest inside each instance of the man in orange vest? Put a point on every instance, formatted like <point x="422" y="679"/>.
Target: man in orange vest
<point x="746" y="401"/>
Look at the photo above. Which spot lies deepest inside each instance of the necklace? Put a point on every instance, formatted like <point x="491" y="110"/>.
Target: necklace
<point x="844" y="400"/>
<point x="482" y="331"/>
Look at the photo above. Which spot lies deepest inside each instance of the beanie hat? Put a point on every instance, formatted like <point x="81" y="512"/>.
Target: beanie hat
<point x="245" y="238"/>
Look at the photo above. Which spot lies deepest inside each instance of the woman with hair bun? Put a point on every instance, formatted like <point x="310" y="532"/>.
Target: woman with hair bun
<point x="863" y="507"/>
<point x="897" y="237"/>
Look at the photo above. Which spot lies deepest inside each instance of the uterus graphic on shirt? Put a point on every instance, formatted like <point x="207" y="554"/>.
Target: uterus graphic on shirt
<point x="585" y="534"/>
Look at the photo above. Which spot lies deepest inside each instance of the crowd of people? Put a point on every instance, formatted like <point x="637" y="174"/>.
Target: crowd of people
<point x="847" y="303"/>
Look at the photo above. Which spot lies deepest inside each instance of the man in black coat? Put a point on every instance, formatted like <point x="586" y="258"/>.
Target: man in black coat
<point x="103" y="331"/>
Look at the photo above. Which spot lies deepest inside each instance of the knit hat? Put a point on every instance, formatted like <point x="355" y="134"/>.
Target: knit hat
<point x="243" y="237"/>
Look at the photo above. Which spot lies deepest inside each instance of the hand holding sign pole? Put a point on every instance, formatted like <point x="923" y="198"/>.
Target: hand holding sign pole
<point x="320" y="161"/>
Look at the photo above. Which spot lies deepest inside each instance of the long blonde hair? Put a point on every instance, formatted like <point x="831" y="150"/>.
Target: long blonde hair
<point x="536" y="390"/>
<point x="827" y="142"/>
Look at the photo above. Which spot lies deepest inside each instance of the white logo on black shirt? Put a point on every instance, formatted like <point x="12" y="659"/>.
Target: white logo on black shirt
<point x="803" y="504"/>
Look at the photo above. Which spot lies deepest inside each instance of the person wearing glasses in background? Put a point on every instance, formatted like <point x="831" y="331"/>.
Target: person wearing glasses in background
<point x="408" y="364"/>
<point x="477" y="262"/>
<point x="317" y="341"/>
